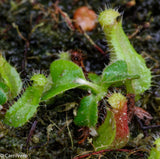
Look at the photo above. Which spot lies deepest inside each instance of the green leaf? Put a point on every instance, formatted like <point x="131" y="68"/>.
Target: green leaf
<point x="64" y="75"/>
<point x="4" y="87"/>
<point x="26" y="106"/>
<point x="155" y="151"/>
<point x="3" y="97"/>
<point x="94" y="78"/>
<point x="116" y="73"/>
<point x="64" y="72"/>
<point x="10" y="77"/>
<point x="106" y="133"/>
<point x="3" y="93"/>
<point x="87" y="114"/>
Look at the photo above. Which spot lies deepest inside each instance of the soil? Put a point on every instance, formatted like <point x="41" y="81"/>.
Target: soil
<point x="42" y="33"/>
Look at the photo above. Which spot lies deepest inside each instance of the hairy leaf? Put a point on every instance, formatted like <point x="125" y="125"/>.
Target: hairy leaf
<point x="111" y="21"/>
<point x="22" y="110"/>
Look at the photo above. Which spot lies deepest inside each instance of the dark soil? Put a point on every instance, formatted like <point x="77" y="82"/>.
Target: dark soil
<point x="55" y="135"/>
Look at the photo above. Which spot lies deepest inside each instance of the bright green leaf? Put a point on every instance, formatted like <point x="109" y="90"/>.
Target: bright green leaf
<point x="3" y="97"/>
<point x="106" y="133"/>
<point x="3" y="93"/>
<point x="116" y="73"/>
<point x="64" y="75"/>
<point x="87" y="114"/>
<point x="94" y="78"/>
<point x="64" y="72"/>
<point x="58" y="90"/>
<point x="10" y="77"/>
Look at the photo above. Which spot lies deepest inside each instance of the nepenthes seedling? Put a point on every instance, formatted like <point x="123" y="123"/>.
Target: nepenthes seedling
<point x="66" y="75"/>
<point x="127" y="68"/>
